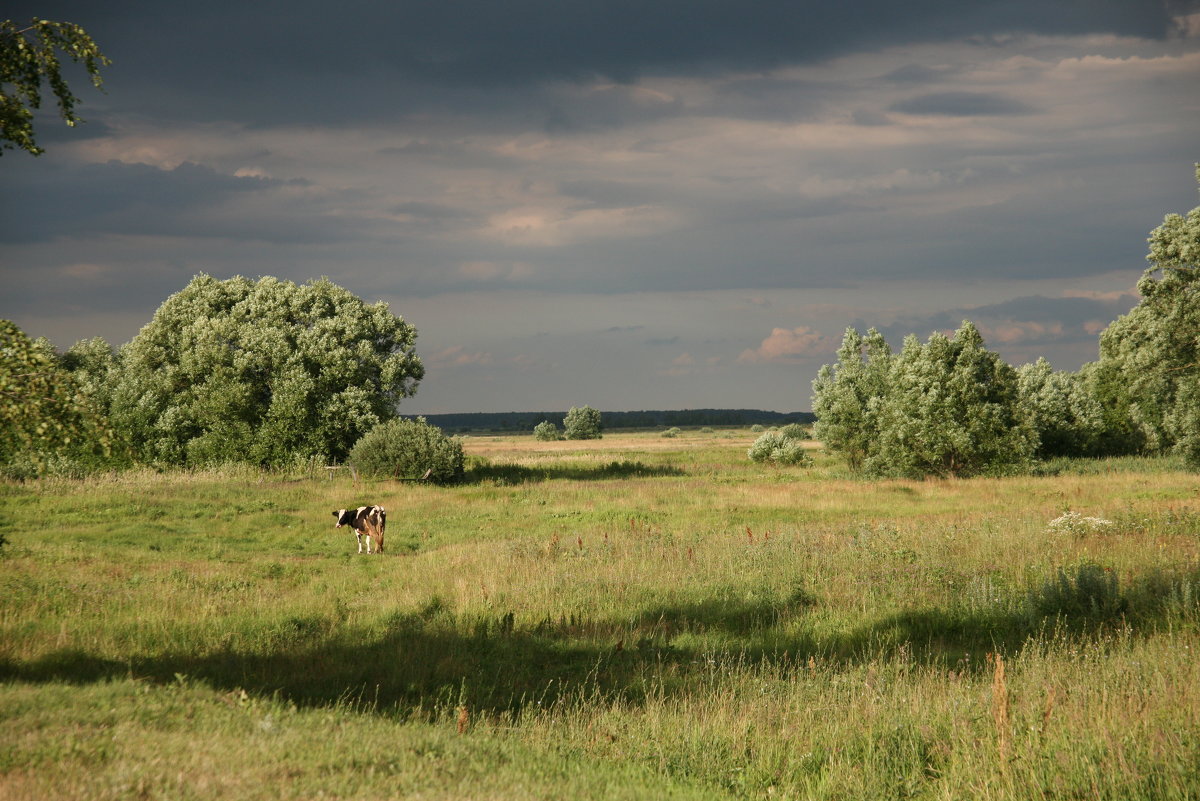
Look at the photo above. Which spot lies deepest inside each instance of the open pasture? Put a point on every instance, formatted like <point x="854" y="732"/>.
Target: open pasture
<point x="631" y="617"/>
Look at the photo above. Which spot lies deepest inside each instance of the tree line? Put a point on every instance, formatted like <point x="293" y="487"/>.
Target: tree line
<point x="646" y="418"/>
<point x="273" y="373"/>
<point x="950" y="407"/>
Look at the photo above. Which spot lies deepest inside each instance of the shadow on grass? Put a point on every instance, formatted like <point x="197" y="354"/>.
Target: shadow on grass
<point x="433" y="659"/>
<point x="510" y="474"/>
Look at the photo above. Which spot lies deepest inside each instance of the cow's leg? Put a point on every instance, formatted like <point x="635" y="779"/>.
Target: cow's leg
<point x="379" y="541"/>
<point x="359" y="536"/>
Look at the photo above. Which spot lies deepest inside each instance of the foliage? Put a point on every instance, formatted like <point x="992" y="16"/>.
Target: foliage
<point x="405" y="448"/>
<point x="1151" y="356"/>
<point x="45" y="415"/>
<point x="262" y="371"/>
<point x="1106" y="383"/>
<point x="794" y="431"/>
<point x="1062" y="410"/>
<point x="777" y="448"/>
<point x="93" y="364"/>
<point x="846" y="396"/>
<point x="672" y="432"/>
<point x="582" y="423"/>
<point x="546" y="431"/>
<point x="951" y="409"/>
<point x="27" y="58"/>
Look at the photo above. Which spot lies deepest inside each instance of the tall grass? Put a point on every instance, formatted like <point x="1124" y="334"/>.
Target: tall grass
<point x="627" y="617"/>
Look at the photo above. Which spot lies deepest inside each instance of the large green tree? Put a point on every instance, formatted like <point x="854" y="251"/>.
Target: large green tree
<point x="264" y="371"/>
<point x="1067" y="417"/>
<point x="846" y="396"/>
<point x="29" y="57"/>
<point x="1151" y="356"/>
<point x="948" y="407"/>
<point x="951" y="409"/>
<point x="44" y="412"/>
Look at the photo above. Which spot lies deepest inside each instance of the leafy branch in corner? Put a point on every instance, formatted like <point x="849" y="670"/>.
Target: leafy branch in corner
<point x="29" y="56"/>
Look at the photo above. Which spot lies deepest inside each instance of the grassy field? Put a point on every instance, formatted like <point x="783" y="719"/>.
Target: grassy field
<point x="634" y="617"/>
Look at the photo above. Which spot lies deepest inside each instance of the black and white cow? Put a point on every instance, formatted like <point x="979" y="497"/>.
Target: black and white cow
<point x="367" y="521"/>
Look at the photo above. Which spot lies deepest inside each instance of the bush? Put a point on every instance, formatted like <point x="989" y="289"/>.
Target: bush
<point x="582" y="423"/>
<point x="672" y="432"/>
<point x="777" y="449"/>
<point x="546" y="431"/>
<point x="404" y="448"/>
<point x="794" y="431"/>
<point x="757" y="428"/>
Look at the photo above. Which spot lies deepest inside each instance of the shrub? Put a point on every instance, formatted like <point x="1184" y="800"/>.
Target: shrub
<point x="404" y="448"/>
<point x="546" y="431"/>
<point x="794" y="431"/>
<point x="775" y="448"/>
<point x="672" y="432"/>
<point x="582" y="423"/>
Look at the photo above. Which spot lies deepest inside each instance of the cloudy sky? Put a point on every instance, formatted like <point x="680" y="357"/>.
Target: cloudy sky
<point x="630" y="204"/>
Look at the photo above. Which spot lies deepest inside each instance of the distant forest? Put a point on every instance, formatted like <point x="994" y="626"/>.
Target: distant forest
<point x="525" y="421"/>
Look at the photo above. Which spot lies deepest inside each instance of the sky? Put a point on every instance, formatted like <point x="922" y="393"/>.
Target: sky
<point x="630" y="205"/>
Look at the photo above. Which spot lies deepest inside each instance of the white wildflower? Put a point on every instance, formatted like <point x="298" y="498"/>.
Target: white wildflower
<point x="1076" y="524"/>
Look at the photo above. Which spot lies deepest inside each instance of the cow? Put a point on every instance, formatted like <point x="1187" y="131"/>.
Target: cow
<point x="367" y="521"/>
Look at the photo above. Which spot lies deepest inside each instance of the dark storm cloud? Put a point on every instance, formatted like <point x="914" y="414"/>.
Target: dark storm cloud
<point x="51" y="132"/>
<point x="612" y="106"/>
<point x="274" y="62"/>
<point x="919" y="73"/>
<point x="585" y="166"/>
<point x="614" y="194"/>
<point x="46" y="200"/>
<point x="771" y="98"/>
<point x="431" y="211"/>
<point x="962" y="104"/>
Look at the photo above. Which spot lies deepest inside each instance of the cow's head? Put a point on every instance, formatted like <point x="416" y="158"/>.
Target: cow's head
<point x="344" y="517"/>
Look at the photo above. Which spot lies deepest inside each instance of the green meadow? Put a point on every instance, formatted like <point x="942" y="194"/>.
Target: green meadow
<point x="631" y="617"/>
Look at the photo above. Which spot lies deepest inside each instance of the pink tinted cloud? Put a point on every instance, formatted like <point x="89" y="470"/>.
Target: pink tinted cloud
<point x="1013" y="331"/>
<point x="788" y="346"/>
<point x="1119" y="294"/>
<point x="456" y="356"/>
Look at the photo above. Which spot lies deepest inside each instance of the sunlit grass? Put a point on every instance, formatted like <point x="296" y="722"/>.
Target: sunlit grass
<point x="628" y="617"/>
